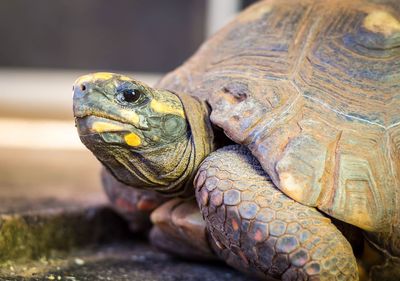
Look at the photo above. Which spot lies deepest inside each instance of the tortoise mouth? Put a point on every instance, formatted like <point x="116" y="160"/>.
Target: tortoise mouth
<point x="95" y="125"/>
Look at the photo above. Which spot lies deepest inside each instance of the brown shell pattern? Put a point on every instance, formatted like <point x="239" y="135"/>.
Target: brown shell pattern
<point x="312" y="88"/>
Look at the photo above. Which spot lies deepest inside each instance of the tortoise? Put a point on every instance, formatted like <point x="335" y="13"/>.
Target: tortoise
<point x="284" y="126"/>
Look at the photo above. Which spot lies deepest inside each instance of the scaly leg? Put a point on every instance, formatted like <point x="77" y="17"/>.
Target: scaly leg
<point x="259" y="230"/>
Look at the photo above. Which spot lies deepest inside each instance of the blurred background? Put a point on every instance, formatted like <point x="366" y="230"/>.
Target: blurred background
<point x="46" y="44"/>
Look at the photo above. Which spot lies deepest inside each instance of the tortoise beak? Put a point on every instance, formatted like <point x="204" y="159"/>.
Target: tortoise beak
<point x="81" y="88"/>
<point x="89" y="97"/>
<point x="86" y="89"/>
<point x="84" y="84"/>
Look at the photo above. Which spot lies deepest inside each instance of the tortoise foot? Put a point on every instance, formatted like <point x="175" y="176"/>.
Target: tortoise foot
<point x="259" y="230"/>
<point x="180" y="230"/>
<point x="133" y="204"/>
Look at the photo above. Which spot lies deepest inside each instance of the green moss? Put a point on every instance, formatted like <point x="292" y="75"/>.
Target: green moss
<point x="35" y="236"/>
<point x="25" y="239"/>
<point x="13" y="235"/>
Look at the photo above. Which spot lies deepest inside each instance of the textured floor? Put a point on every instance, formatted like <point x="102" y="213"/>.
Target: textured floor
<point x="134" y="261"/>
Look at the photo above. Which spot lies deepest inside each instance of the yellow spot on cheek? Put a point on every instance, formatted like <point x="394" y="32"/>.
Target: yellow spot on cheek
<point x="166" y="108"/>
<point x="132" y="139"/>
<point x="100" y="127"/>
<point x="381" y="22"/>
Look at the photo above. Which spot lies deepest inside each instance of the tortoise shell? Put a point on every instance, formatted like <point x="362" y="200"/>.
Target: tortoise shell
<point x="313" y="90"/>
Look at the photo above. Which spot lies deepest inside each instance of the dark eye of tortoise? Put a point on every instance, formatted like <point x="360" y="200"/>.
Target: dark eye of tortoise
<point x="130" y="95"/>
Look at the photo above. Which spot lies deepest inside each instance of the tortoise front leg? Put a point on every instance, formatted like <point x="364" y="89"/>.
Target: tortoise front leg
<point x="179" y="229"/>
<point x="135" y="205"/>
<point x="174" y="225"/>
<point x="259" y="230"/>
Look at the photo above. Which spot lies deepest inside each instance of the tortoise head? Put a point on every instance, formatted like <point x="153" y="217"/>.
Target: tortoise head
<point x="140" y="134"/>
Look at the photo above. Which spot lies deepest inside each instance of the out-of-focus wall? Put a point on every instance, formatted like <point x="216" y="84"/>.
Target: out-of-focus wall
<point x="134" y="35"/>
<point x="130" y="35"/>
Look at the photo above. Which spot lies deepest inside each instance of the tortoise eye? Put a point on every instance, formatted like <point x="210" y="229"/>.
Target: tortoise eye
<point x="130" y="95"/>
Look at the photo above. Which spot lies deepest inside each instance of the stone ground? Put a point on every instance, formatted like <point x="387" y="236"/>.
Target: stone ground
<point x="133" y="261"/>
<point x="55" y="224"/>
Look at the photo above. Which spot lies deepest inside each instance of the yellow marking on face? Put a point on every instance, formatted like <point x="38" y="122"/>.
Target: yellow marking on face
<point x="132" y="139"/>
<point x="84" y="78"/>
<point x="124" y="78"/>
<point x="130" y="115"/>
<point x="102" y="76"/>
<point x="101" y="127"/>
<point x="166" y="108"/>
<point x="381" y="22"/>
<point x="93" y="77"/>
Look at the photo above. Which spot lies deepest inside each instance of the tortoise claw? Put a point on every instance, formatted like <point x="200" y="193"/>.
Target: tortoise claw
<point x="180" y="230"/>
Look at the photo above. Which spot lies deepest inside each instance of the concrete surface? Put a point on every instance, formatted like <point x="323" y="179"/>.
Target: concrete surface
<point x="129" y="261"/>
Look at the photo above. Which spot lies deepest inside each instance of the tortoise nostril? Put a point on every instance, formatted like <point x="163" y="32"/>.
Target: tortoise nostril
<point x="83" y="87"/>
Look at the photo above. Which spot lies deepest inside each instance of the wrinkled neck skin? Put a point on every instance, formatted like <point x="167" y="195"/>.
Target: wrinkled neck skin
<point x="160" y="152"/>
<point x="163" y="169"/>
